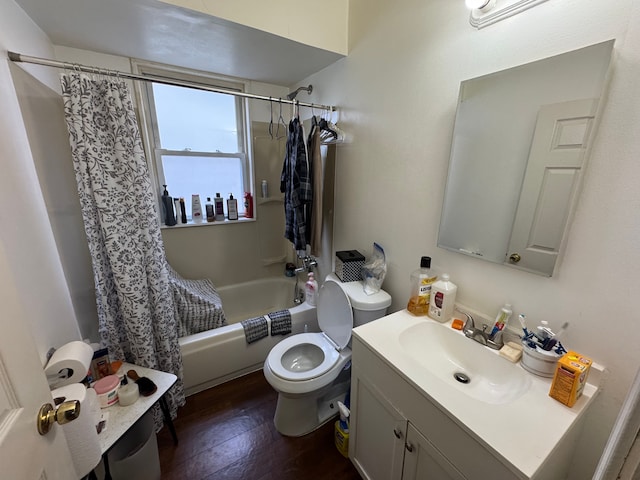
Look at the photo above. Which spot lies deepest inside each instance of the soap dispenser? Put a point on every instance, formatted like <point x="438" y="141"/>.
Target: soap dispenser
<point x="311" y="290"/>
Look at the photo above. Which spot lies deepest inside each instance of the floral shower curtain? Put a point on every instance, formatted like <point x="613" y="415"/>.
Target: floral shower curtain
<point x="135" y="305"/>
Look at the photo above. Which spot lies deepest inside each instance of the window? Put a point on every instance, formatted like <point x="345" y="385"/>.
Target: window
<point x="198" y="138"/>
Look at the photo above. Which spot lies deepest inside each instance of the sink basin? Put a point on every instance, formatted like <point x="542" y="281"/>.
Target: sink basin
<point x="466" y="365"/>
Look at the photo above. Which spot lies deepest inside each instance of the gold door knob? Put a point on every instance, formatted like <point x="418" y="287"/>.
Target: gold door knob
<point x="65" y="413"/>
<point x="514" y="257"/>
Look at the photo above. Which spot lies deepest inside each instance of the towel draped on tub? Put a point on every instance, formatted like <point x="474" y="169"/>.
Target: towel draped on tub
<point x="197" y="303"/>
<point x="280" y="322"/>
<point x="255" y="328"/>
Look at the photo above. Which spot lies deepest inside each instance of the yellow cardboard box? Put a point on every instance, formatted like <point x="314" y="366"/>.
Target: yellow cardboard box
<point x="570" y="378"/>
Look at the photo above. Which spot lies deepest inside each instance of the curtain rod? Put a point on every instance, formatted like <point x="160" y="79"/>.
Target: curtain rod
<point x="18" y="57"/>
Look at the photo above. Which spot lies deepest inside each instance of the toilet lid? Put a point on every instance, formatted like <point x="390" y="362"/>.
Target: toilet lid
<point x="335" y="316"/>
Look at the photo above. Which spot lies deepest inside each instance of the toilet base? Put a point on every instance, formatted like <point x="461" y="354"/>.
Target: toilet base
<point x="299" y="415"/>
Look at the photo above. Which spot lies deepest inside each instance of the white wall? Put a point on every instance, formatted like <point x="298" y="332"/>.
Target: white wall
<point x="319" y="24"/>
<point x="397" y="92"/>
<point x="26" y="233"/>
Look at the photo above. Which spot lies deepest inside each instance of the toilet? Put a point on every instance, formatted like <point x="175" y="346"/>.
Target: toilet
<point x="312" y="371"/>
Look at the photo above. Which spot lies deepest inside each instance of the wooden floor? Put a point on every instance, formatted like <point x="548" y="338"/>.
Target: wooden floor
<point x="227" y="433"/>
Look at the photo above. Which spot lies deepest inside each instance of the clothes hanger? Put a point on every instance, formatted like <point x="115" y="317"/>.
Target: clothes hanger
<point x="331" y="133"/>
<point x="281" y="121"/>
<point x="270" y="117"/>
<point x="314" y="122"/>
<point x="296" y="109"/>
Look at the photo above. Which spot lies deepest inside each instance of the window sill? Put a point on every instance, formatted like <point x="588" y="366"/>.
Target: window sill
<point x="207" y="224"/>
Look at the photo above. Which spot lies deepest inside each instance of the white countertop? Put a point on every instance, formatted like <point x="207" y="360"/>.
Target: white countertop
<point x="524" y="431"/>
<point x="122" y="418"/>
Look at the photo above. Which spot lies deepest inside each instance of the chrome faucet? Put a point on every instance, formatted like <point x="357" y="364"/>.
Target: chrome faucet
<point x="482" y="336"/>
<point x="308" y="262"/>
<point x="298" y="294"/>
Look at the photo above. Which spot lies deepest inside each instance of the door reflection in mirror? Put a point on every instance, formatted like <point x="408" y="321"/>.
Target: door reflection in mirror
<point x="490" y="171"/>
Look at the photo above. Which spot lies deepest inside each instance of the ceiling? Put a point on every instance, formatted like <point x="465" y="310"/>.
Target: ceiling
<point x="159" y="32"/>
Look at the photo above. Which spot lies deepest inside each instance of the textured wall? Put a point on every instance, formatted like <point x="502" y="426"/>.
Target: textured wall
<point x="398" y="90"/>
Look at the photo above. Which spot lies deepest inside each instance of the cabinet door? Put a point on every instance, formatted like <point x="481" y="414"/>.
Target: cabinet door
<point x="377" y="433"/>
<point x="423" y="462"/>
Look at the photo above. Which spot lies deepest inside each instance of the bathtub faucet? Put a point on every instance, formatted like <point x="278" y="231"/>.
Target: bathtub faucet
<point x="308" y="262"/>
<point x="298" y="294"/>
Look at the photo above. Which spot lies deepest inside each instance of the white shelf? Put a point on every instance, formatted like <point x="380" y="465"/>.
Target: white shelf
<point x="265" y="200"/>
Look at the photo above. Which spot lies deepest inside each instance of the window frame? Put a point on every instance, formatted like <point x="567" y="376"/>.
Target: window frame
<point x="150" y="130"/>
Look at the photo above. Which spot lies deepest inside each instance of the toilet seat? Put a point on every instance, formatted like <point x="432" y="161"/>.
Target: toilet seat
<point x="317" y="340"/>
<point x="310" y="355"/>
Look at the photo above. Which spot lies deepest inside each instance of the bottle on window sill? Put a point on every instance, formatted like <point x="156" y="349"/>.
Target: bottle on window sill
<point x="183" y="210"/>
<point x="211" y="214"/>
<point x="167" y="207"/>
<point x="232" y="208"/>
<point x="176" y="202"/>
<point x="196" y="209"/>
<point x="218" y="203"/>
<point x="248" y="205"/>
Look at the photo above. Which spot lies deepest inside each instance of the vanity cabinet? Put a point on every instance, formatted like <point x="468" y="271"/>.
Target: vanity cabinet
<point x="379" y="450"/>
<point x="423" y="461"/>
<point x="386" y="446"/>
<point x="396" y="433"/>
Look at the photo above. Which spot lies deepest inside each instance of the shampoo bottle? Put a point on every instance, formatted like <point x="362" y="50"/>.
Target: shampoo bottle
<point x="501" y="319"/>
<point x="183" y="211"/>
<point x="248" y="205"/>
<point x="218" y="204"/>
<point x="421" y="282"/>
<point x="443" y="299"/>
<point x="176" y="202"/>
<point x="196" y="209"/>
<point x="208" y="207"/>
<point x="167" y="207"/>
<point x="311" y="290"/>
<point x="232" y="208"/>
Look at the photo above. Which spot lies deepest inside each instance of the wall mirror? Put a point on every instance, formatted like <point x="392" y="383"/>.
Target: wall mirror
<point x="520" y="142"/>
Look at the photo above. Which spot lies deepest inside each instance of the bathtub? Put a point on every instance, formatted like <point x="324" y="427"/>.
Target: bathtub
<point x="216" y="356"/>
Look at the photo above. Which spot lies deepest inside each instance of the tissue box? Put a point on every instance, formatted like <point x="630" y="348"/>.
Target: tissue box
<point x="570" y="378"/>
<point x="349" y="265"/>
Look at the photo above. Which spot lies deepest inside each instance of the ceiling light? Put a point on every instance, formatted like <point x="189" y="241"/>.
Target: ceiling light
<point x="476" y="4"/>
<point x="488" y="12"/>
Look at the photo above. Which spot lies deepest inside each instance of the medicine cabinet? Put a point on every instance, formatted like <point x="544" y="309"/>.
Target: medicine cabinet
<point x="520" y="145"/>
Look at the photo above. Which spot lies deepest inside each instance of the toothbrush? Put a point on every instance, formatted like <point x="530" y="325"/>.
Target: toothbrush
<point x="521" y="318"/>
<point x="560" y="348"/>
<point x="562" y="330"/>
<point x="555" y="339"/>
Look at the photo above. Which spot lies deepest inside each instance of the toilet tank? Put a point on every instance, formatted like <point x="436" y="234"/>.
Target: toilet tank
<point x="365" y="307"/>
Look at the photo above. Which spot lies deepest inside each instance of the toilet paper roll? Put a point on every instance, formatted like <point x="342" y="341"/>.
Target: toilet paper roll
<point x="81" y="433"/>
<point x="69" y="364"/>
